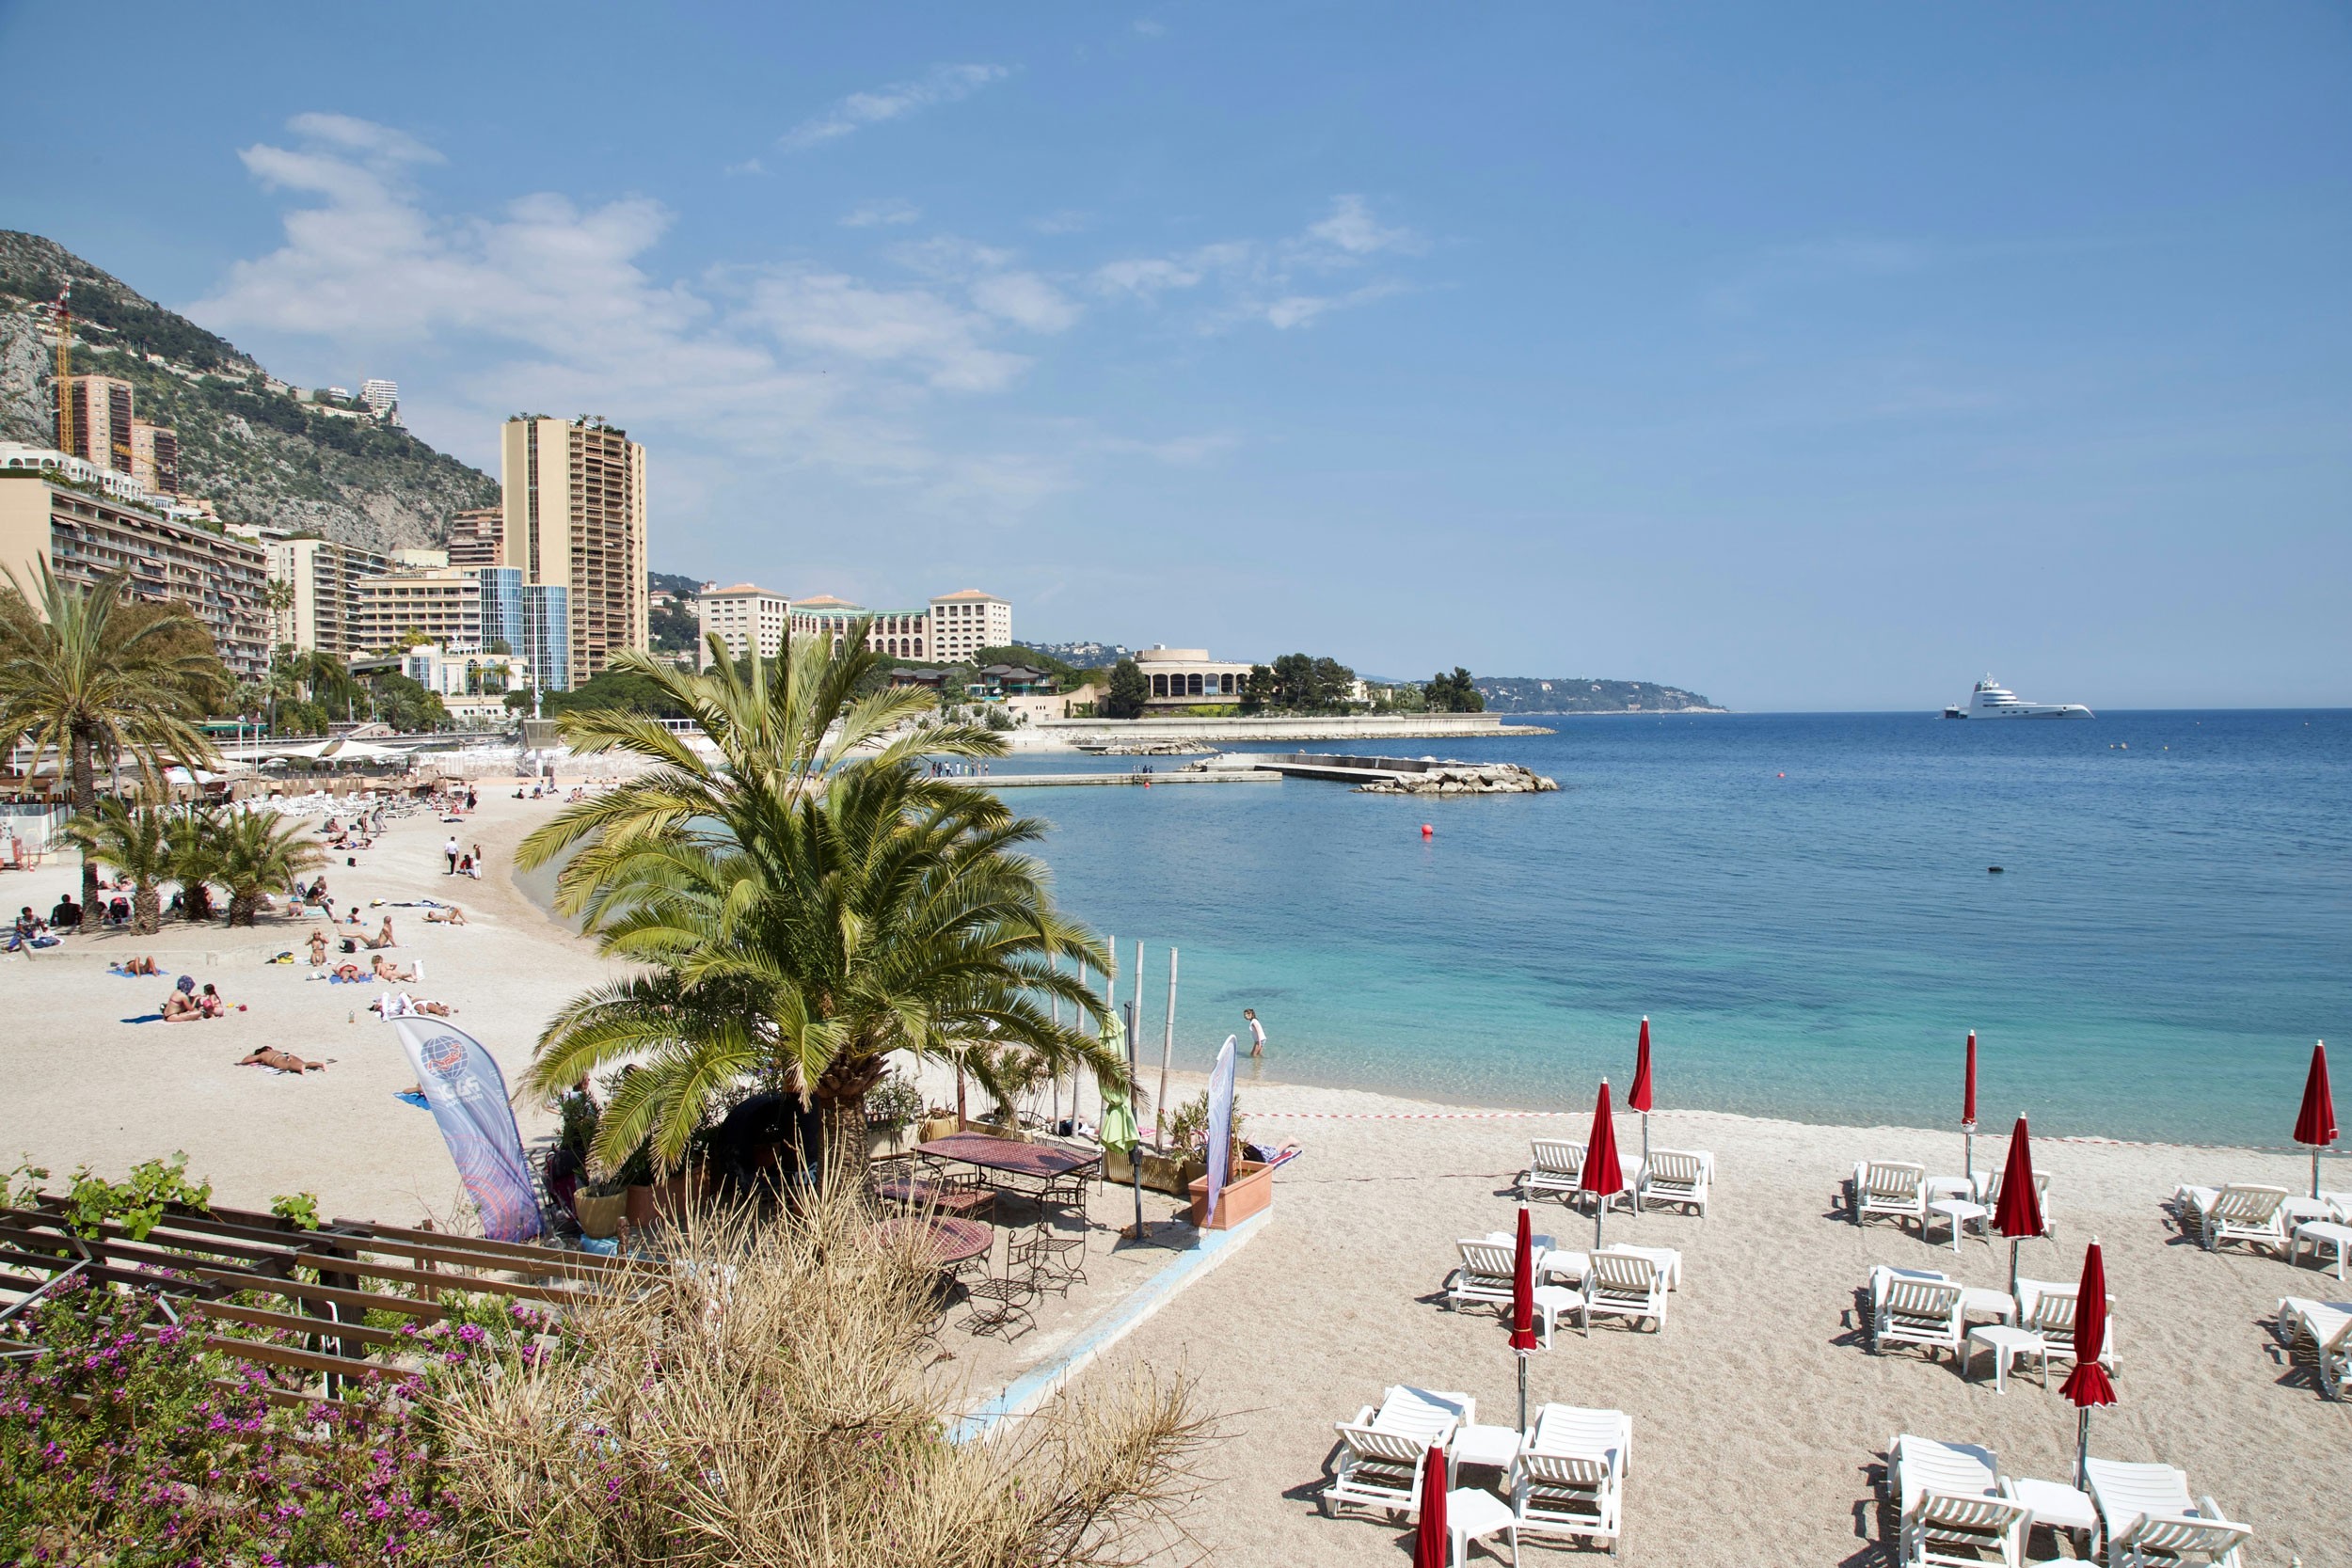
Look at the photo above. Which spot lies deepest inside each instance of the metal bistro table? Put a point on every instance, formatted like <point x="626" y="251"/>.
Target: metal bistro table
<point x="1028" y="1162"/>
<point x="952" y="1241"/>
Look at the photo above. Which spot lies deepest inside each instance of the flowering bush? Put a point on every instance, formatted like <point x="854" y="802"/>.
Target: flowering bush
<point x="124" y="1441"/>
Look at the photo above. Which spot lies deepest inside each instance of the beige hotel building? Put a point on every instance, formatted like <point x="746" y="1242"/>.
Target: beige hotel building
<point x="573" y="515"/>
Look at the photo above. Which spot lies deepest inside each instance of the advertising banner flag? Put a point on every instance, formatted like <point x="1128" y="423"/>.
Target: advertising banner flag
<point x="1220" y="1122"/>
<point x="467" y="1096"/>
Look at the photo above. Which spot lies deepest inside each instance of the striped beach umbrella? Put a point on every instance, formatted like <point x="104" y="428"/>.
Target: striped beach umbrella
<point x="1602" y="1175"/>
<point x="1429" y="1542"/>
<point x="2019" y="1213"/>
<point x="2088" y="1385"/>
<point x="2316" y="1125"/>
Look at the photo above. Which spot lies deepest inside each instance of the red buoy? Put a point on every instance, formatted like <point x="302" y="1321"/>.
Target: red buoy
<point x="1428" y="831"/>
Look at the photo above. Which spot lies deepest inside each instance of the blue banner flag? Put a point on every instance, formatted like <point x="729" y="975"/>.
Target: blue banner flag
<point x="467" y="1094"/>
<point x="1220" y="1122"/>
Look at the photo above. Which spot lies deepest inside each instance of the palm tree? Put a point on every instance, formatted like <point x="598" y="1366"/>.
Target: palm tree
<point x="192" y="842"/>
<point x="255" y="852"/>
<point x="803" y="905"/>
<point x="91" y="679"/>
<point x="134" y="843"/>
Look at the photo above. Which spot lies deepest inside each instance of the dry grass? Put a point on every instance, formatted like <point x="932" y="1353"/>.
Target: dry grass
<point x="762" y="1402"/>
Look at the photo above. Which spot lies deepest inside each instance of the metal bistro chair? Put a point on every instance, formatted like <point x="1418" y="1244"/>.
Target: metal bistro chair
<point x="1064" y="1251"/>
<point x="996" y="1300"/>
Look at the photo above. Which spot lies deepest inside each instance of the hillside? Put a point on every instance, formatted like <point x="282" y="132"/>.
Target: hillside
<point x="258" y="455"/>
<point x="1582" y="694"/>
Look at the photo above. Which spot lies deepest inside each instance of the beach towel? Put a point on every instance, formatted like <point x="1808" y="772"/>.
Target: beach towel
<point x="414" y="1099"/>
<point x="146" y="1018"/>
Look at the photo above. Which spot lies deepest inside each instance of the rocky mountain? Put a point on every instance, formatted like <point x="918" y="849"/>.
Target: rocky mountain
<point x="255" y="453"/>
<point x="1582" y="694"/>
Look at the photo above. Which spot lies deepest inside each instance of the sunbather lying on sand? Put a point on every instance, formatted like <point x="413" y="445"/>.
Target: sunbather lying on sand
<point x="382" y="937"/>
<point x="438" y="1010"/>
<point x="133" y="966"/>
<point x="452" y="916"/>
<point x="277" y="1060"/>
<point x="384" y="970"/>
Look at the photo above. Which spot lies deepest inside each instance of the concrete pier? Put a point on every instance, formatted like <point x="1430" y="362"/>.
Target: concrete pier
<point x="1079" y="780"/>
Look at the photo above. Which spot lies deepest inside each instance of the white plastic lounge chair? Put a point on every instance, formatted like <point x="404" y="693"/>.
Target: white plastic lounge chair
<point x="2321" y="1330"/>
<point x="1918" y="1466"/>
<point x="2241" y="1212"/>
<point x="1914" y="1311"/>
<point x="1557" y="1166"/>
<point x="2150" y="1518"/>
<point x="1624" y="1285"/>
<point x="1382" y="1453"/>
<point x="1952" y="1531"/>
<point x="1893" y="1188"/>
<point x="1675" y="1176"/>
<point x="2040" y="1193"/>
<point x="1570" y="1478"/>
<point x="1487" y="1272"/>
<point x="2050" y="1312"/>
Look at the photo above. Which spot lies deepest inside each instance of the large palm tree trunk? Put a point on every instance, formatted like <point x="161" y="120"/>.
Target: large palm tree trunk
<point x="84" y="785"/>
<point x="242" y="908"/>
<point x="146" y="910"/>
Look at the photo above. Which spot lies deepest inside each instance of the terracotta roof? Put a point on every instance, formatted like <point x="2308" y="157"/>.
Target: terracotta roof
<point x="966" y="593"/>
<point x="825" y="601"/>
<point x="741" y="588"/>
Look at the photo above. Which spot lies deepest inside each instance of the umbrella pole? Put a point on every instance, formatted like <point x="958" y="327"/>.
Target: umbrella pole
<point x="2014" y="1244"/>
<point x="1134" y="1162"/>
<point x="2082" y="1448"/>
<point x="1522" y="1390"/>
<point x="1600" y="1206"/>
<point x="2315" y="1170"/>
<point x="1968" y="1137"/>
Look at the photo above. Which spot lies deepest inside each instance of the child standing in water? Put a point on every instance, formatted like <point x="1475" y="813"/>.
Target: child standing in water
<point x="1257" y="1031"/>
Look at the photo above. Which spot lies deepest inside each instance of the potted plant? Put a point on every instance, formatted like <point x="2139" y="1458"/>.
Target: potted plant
<point x="636" y="1178"/>
<point x="938" y="1122"/>
<point x="599" y="1203"/>
<point x="1249" y="1183"/>
<point x="567" y="1162"/>
<point x="891" y="1107"/>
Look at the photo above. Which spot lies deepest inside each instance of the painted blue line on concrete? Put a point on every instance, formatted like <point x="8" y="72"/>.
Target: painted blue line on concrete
<point x="1034" y="1387"/>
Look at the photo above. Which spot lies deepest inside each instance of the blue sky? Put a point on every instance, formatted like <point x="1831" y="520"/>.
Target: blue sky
<point x="1808" y="356"/>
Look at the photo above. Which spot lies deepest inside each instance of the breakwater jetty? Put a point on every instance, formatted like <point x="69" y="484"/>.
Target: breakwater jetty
<point x="1376" y="775"/>
<point x="1081" y="781"/>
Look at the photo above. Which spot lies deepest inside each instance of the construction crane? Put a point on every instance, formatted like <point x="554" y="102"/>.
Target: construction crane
<point x="65" y="369"/>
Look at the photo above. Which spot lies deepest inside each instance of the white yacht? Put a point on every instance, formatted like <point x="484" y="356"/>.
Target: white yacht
<point x="1992" y="700"/>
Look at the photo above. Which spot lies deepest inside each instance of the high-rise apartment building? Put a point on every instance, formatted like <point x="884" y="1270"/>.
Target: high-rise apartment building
<point x="964" y="622"/>
<point x="744" y="617"/>
<point x="323" y="611"/>
<point x="478" y="537"/>
<point x="155" y="457"/>
<point x="101" y="420"/>
<point x="85" y="538"/>
<point x="380" y="396"/>
<point x="573" y="497"/>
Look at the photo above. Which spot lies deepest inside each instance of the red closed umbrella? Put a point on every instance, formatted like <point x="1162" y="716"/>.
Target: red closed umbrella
<point x="1638" y="1099"/>
<point x="1523" y="1305"/>
<point x="1968" y="1112"/>
<point x="2316" y="1124"/>
<point x="2019" y="1212"/>
<point x="2088" y="1384"/>
<point x="1602" y="1175"/>
<point x="1430" y="1544"/>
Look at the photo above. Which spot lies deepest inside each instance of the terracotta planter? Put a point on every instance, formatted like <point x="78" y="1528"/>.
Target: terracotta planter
<point x="1250" y="1191"/>
<point x="674" y="1198"/>
<point x="640" y="1207"/>
<point x="599" y="1217"/>
<point x="1162" y="1173"/>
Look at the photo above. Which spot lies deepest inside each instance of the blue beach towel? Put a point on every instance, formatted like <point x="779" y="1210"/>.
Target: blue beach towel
<point x="414" y="1099"/>
<point x="146" y="1018"/>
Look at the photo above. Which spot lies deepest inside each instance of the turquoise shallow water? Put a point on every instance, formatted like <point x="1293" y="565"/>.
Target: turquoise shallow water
<point x="1800" y="903"/>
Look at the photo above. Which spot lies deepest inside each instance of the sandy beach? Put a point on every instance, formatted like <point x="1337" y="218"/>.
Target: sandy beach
<point x="1759" y="1418"/>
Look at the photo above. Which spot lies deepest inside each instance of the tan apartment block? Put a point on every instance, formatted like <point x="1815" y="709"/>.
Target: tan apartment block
<point x="84" y="537"/>
<point x="573" y="497"/>
<point x="478" y="537"/>
<point x="442" y="602"/>
<point x="101" y="420"/>
<point x="743" y="617"/>
<point x="155" y="456"/>
<point x="324" y="578"/>
<point x="964" y="622"/>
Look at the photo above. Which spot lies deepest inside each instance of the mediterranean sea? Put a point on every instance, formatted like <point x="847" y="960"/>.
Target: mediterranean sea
<point x="1801" y="903"/>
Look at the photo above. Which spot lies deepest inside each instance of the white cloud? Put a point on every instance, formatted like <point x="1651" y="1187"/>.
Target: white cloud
<point x="378" y="143"/>
<point x="833" y="313"/>
<point x="1351" y="230"/>
<point x="1271" y="282"/>
<point x="872" y="213"/>
<point x="1026" y="300"/>
<point x="1146" y="27"/>
<point x="945" y="83"/>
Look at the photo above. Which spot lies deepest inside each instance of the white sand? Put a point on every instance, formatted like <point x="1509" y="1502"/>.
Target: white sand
<point x="1758" y="1417"/>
